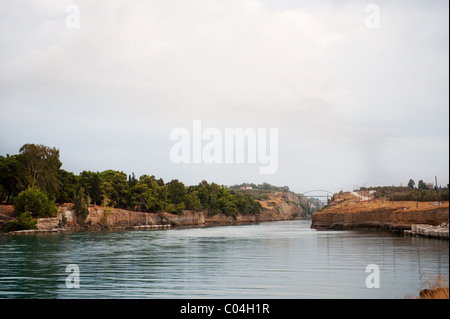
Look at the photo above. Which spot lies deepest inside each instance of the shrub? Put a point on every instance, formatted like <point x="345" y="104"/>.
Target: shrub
<point x="24" y="221"/>
<point x="63" y="221"/>
<point x="435" y="287"/>
<point x="34" y="201"/>
<point x="81" y="208"/>
<point x="106" y="213"/>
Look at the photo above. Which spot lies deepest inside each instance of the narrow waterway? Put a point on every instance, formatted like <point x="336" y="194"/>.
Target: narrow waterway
<point x="267" y="260"/>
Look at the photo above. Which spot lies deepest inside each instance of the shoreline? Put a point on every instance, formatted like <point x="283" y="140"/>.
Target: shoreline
<point x="134" y="228"/>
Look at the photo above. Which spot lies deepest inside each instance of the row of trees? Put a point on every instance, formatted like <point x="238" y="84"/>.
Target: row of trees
<point x="38" y="167"/>
<point x="409" y="193"/>
<point x="421" y="185"/>
<point x="149" y="194"/>
<point x="421" y="195"/>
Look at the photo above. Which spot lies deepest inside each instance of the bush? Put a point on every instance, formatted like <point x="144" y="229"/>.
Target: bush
<point x="81" y="205"/>
<point x="34" y="201"/>
<point x="421" y="195"/>
<point x="24" y="221"/>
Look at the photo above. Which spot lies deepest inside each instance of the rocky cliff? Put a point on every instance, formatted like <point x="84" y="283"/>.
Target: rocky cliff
<point x="379" y="219"/>
<point x="277" y="206"/>
<point x="394" y="216"/>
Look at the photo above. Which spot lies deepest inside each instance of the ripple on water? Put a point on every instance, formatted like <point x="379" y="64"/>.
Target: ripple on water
<point x="268" y="260"/>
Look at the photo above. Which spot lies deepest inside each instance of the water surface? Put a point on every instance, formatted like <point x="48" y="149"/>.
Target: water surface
<point x="267" y="260"/>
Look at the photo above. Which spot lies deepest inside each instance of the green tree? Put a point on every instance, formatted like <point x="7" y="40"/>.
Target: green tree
<point x="110" y="194"/>
<point x="132" y="181"/>
<point x="92" y="184"/>
<point x="177" y="192"/>
<point x="120" y="184"/>
<point x="411" y="183"/>
<point x="226" y="205"/>
<point x="148" y="195"/>
<point x="115" y="187"/>
<point x="193" y="201"/>
<point x="81" y="205"/>
<point x="143" y="197"/>
<point x="68" y="186"/>
<point x="38" y="166"/>
<point x="203" y="194"/>
<point x="24" y="221"/>
<point x="422" y="185"/>
<point x="35" y="201"/>
<point x="96" y="190"/>
<point x="9" y="182"/>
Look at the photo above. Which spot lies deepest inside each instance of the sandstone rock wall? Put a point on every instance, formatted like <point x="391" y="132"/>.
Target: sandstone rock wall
<point x="279" y="206"/>
<point x="283" y="206"/>
<point x="380" y="219"/>
<point x="47" y="223"/>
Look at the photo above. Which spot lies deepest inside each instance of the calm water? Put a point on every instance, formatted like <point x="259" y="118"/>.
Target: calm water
<point x="268" y="260"/>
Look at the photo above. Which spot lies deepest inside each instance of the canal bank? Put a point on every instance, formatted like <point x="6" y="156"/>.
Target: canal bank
<point x="276" y="207"/>
<point x="394" y="216"/>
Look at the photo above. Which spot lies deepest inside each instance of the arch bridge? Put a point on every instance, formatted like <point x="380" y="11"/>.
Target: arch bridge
<point x="320" y="194"/>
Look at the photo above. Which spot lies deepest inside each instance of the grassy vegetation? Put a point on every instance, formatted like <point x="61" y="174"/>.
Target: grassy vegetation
<point x="399" y="193"/>
<point x="435" y="287"/>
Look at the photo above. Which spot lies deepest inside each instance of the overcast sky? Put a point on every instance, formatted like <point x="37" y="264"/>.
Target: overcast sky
<point x="355" y="103"/>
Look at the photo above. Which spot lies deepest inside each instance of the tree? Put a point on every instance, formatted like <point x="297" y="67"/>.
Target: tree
<point x="422" y="185"/>
<point x="143" y="197"/>
<point x="9" y="182"/>
<point x="81" y="205"/>
<point x="24" y="221"/>
<point x="96" y="191"/>
<point x="92" y="184"/>
<point x="68" y="182"/>
<point x="38" y="166"/>
<point x="411" y="183"/>
<point x="120" y="184"/>
<point x="115" y="187"/>
<point x="109" y="195"/>
<point x="266" y="186"/>
<point x="35" y="201"/>
<point x="193" y="201"/>
<point x="177" y="192"/>
<point x="132" y="180"/>
<point x="148" y="195"/>
<point x="203" y="194"/>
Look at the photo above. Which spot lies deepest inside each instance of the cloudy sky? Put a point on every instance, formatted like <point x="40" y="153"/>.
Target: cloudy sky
<point x="358" y="93"/>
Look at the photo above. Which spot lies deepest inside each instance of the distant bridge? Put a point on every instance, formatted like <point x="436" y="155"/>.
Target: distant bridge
<point x="320" y="194"/>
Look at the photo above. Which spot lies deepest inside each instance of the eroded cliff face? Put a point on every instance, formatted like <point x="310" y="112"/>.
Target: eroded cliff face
<point x="393" y="219"/>
<point x="351" y="210"/>
<point x="278" y="206"/>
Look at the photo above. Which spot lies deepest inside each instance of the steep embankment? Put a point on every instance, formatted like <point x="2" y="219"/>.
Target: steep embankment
<point x="350" y="212"/>
<point x="276" y="206"/>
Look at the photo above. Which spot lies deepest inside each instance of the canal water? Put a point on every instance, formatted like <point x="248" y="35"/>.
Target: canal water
<point x="269" y="260"/>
